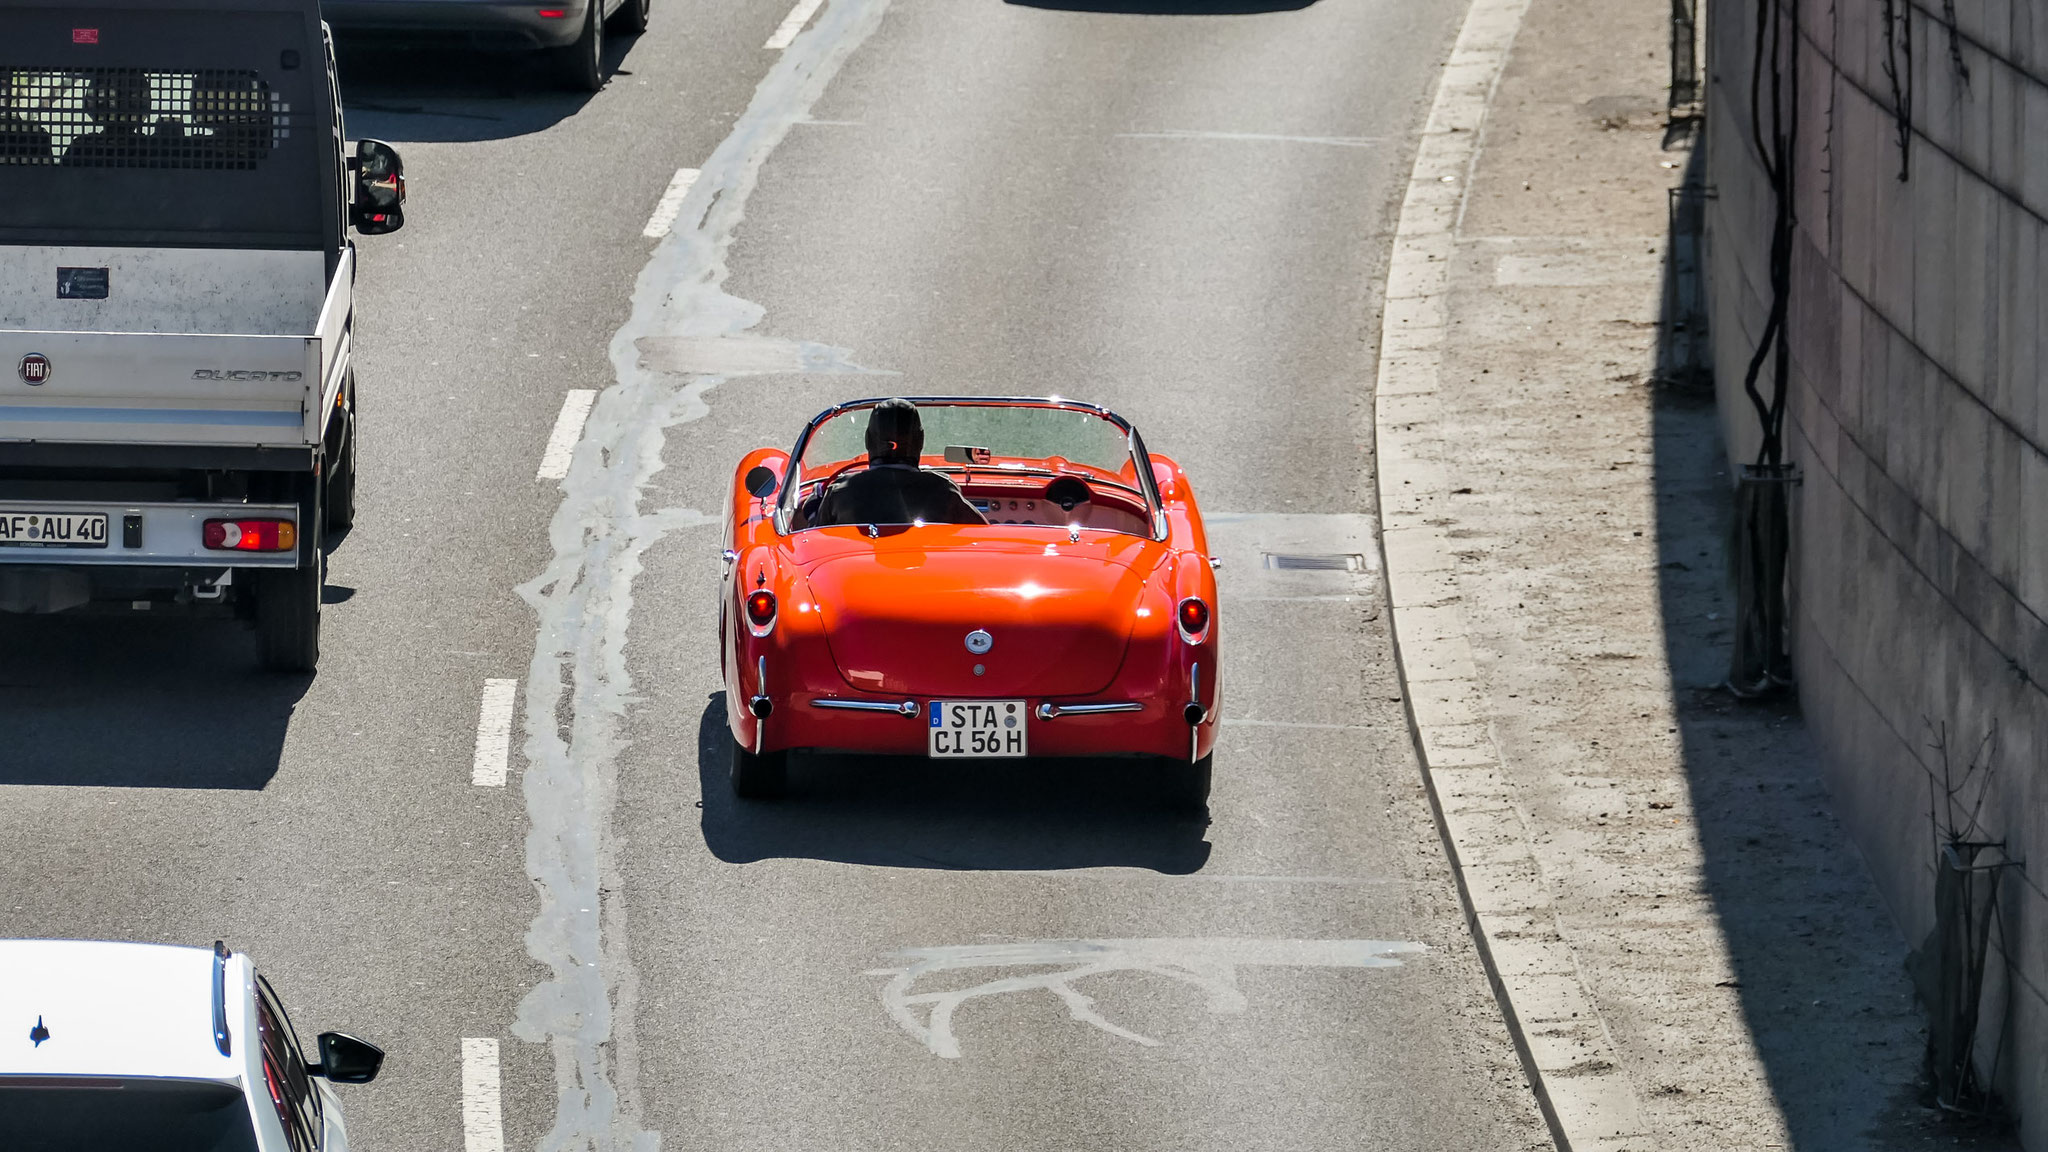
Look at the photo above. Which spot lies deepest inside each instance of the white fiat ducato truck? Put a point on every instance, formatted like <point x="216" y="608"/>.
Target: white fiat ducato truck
<point x="177" y="404"/>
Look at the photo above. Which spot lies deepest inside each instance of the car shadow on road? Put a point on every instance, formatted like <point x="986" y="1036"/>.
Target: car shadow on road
<point x="120" y="702"/>
<point x="445" y="91"/>
<point x="906" y="812"/>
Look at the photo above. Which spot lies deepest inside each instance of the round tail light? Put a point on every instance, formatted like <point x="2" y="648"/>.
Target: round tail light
<point x="1194" y="616"/>
<point x="761" y="608"/>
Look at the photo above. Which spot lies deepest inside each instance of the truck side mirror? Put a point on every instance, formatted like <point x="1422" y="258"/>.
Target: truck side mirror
<point x="379" y="205"/>
<point x="344" y="1059"/>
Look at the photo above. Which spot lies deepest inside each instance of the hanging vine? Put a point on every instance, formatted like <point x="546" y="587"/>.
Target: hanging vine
<point x="1955" y="41"/>
<point x="1827" y="141"/>
<point x="1775" y="148"/>
<point x="1898" y="68"/>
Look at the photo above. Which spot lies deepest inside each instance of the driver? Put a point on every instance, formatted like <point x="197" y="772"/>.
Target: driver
<point x="119" y="104"/>
<point x="892" y="489"/>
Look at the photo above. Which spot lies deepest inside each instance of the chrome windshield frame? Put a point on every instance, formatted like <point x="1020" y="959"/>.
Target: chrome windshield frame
<point x="785" y="495"/>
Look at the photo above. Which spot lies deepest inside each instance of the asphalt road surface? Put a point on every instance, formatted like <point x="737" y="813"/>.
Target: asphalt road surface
<point x="1177" y="210"/>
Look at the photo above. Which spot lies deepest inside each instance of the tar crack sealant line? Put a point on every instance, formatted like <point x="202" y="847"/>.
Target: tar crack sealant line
<point x="577" y="687"/>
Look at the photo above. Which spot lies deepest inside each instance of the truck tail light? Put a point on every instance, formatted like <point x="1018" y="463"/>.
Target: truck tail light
<point x="250" y="535"/>
<point x="761" y="608"/>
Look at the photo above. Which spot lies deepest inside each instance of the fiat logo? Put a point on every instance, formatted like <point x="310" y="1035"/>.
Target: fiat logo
<point x="35" y="368"/>
<point x="979" y="641"/>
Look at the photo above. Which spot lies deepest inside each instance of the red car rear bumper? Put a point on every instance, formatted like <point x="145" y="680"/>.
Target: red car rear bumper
<point x="1159" y="728"/>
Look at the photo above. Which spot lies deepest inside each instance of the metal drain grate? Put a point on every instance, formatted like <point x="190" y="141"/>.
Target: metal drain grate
<point x="1315" y="561"/>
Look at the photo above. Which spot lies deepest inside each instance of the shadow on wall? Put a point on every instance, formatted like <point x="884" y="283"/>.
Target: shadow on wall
<point x="123" y="702"/>
<point x="905" y="812"/>
<point x="1819" y="966"/>
<point x="1169" y="7"/>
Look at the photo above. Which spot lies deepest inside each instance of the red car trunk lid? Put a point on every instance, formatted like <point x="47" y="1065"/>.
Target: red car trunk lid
<point x="897" y="619"/>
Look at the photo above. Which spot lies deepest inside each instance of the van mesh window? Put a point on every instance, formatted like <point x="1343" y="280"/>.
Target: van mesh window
<point x="137" y="118"/>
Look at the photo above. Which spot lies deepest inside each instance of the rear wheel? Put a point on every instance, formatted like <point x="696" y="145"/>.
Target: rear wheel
<point x="631" y="17"/>
<point x="288" y="600"/>
<point x="1186" y="786"/>
<point x="758" y="777"/>
<point x="582" y="63"/>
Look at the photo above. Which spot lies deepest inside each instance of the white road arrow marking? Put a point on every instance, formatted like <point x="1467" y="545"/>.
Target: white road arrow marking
<point x="1209" y="964"/>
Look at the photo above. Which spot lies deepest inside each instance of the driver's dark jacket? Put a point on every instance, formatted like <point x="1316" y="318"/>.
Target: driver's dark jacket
<point x="895" y="494"/>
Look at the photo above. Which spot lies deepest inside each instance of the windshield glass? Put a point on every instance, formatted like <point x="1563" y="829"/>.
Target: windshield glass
<point x="1003" y="457"/>
<point x="1008" y="436"/>
<point x="62" y="1114"/>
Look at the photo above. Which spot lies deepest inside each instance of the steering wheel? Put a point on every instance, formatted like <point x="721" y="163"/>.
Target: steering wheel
<point x="1067" y="491"/>
<point x="807" y="508"/>
<point x="842" y="470"/>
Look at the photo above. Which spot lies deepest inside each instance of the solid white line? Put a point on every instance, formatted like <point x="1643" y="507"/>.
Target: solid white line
<point x="554" y="461"/>
<point x="792" y="24"/>
<point x="483" y="1122"/>
<point x="671" y="202"/>
<point x="494" y="735"/>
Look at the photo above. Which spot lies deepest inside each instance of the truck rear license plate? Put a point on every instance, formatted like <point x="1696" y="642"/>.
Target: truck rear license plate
<point x="53" y="529"/>
<point x="977" y="728"/>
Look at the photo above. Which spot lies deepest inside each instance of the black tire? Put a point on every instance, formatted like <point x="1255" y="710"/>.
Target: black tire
<point x="340" y="491"/>
<point x="631" y="18"/>
<point x="288" y="601"/>
<point x="1186" y="786"/>
<point x="763" y="777"/>
<point x="582" y="63"/>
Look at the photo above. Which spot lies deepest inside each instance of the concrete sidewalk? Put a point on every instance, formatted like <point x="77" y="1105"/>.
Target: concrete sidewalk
<point x="1690" y="946"/>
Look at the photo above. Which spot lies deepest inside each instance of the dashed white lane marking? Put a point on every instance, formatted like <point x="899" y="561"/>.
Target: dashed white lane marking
<point x="494" y="739"/>
<point x="1262" y="137"/>
<point x="671" y="202"/>
<point x="554" y="461"/>
<point x="792" y="24"/>
<point x="483" y="1122"/>
<point x="579" y="689"/>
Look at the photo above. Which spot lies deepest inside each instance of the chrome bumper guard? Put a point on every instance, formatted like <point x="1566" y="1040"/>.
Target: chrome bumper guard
<point x="906" y="708"/>
<point x="1055" y="711"/>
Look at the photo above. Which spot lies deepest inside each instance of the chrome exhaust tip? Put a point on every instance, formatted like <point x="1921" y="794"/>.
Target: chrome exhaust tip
<point x="1194" y="713"/>
<point x="761" y="707"/>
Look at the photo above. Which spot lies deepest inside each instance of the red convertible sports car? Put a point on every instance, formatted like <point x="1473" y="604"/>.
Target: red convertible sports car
<point x="968" y="577"/>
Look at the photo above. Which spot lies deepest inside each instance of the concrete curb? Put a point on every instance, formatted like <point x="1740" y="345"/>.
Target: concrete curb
<point x="1569" y="1057"/>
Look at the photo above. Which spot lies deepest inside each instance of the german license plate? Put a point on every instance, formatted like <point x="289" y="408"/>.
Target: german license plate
<point x="977" y="728"/>
<point x="53" y="529"/>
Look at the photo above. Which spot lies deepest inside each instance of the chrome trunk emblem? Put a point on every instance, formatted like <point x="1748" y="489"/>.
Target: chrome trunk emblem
<point x="979" y="641"/>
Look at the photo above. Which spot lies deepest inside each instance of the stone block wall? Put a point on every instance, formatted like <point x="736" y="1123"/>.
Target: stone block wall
<point x="1918" y="330"/>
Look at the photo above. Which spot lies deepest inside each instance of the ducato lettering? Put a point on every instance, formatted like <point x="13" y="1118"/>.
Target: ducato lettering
<point x="240" y="375"/>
